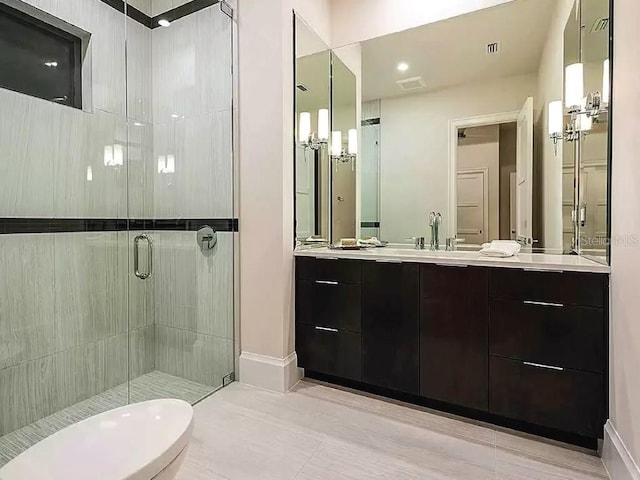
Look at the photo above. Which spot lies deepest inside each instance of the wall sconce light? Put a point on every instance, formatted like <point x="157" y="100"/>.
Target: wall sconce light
<point x="337" y="150"/>
<point x="306" y="137"/>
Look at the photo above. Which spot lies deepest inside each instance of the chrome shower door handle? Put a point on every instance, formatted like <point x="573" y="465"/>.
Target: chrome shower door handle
<point x="136" y="256"/>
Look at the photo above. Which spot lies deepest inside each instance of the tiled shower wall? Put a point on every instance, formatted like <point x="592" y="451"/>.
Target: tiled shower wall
<point x="68" y="301"/>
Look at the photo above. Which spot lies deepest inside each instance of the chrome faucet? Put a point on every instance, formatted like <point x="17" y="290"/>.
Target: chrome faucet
<point x="435" y="219"/>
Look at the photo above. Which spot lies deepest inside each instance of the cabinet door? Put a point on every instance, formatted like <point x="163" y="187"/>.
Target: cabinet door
<point x="329" y="351"/>
<point x="391" y="326"/>
<point x="553" y="397"/>
<point x="454" y="329"/>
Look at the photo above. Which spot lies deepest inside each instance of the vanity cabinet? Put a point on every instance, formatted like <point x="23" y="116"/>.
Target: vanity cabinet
<point x="328" y="316"/>
<point x="548" y="349"/>
<point x="524" y="349"/>
<point x="454" y="332"/>
<point x="391" y="326"/>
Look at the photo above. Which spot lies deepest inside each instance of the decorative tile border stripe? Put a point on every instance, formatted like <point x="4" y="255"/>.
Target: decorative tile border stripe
<point x="369" y="224"/>
<point x="67" y="225"/>
<point x="172" y="15"/>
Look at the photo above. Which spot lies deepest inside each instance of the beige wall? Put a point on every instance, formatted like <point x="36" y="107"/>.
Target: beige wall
<point x="265" y="110"/>
<point x="266" y="176"/>
<point x="550" y="88"/>
<point x="358" y="20"/>
<point x="625" y="312"/>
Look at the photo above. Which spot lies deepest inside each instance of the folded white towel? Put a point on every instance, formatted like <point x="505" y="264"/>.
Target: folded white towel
<point x="370" y="242"/>
<point x="500" y="248"/>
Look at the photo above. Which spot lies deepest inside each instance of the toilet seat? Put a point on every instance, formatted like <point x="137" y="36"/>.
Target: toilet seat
<point x="134" y="442"/>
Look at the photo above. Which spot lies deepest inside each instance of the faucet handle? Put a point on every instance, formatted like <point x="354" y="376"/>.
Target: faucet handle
<point x="452" y="243"/>
<point x="418" y="242"/>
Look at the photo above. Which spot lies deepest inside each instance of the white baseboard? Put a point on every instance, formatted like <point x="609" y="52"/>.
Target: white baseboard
<point x="269" y="373"/>
<point x="617" y="459"/>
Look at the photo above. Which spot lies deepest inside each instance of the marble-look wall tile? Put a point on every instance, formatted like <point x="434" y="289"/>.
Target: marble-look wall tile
<point x="194" y="291"/>
<point x="139" y="72"/>
<point x="90" y="287"/>
<point x="85" y="186"/>
<point x="202" y="184"/>
<point x="195" y="356"/>
<point x="143" y="5"/>
<point x="214" y="290"/>
<point x="192" y="66"/>
<point x="30" y="142"/>
<point x="141" y="171"/>
<point x="27" y="298"/>
<point x="38" y="388"/>
<point x="142" y="351"/>
<point x="161" y="6"/>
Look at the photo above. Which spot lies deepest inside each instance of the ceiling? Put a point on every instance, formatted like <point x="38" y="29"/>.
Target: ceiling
<point x="452" y="52"/>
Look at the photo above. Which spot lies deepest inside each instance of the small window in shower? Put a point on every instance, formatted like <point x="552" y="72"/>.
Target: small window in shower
<point x="39" y="59"/>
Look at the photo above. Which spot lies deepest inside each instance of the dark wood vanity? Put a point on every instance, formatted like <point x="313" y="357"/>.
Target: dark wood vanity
<point x="518" y="348"/>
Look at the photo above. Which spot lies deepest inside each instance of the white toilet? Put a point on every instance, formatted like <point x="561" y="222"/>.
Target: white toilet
<point x="142" y="441"/>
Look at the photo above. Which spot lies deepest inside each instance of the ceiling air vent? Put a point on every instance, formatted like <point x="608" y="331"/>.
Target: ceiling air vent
<point x="493" y="48"/>
<point x="302" y="87"/>
<point x="600" y="25"/>
<point x="411" y="84"/>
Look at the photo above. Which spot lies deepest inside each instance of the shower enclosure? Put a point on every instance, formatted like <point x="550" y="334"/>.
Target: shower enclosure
<point x="117" y="216"/>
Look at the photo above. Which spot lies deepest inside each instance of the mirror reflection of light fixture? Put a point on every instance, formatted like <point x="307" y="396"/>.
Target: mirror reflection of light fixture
<point x="306" y="137"/>
<point x="353" y="142"/>
<point x="606" y="82"/>
<point x="555" y="122"/>
<point x="574" y="86"/>
<point x="584" y="110"/>
<point x="166" y="164"/>
<point x="113" y="155"/>
<point x="337" y="150"/>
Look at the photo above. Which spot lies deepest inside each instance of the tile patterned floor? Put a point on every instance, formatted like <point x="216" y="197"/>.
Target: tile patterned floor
<point x="318" y="432"/>
<point x="146" y="387"/>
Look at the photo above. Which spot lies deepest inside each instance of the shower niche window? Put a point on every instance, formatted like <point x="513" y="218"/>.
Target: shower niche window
<point x="39" y="59"/>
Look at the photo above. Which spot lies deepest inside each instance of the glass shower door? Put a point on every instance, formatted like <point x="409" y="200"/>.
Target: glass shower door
<point x="181" y="212"/>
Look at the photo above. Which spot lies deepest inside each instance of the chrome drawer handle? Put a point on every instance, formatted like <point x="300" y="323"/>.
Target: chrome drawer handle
<point x="458" y="265"/>
<point x="547" y="367"/>
<point x="382" y="260"/>
<point x="543" y="304"/>
<point x="326" y="282"/>
<point x="541" y="270"/>
<point x="327" y="329"/>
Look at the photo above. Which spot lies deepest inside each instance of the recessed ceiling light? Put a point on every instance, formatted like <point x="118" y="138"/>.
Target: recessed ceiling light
<point x="403" y="67"/>
<point x="51" y="64"/>
<point x="164" y="23"/>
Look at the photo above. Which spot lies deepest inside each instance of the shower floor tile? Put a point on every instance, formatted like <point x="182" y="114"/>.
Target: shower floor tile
<point x="146" y="387"/>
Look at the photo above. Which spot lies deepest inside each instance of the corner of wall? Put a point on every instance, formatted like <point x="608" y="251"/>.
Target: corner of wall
<point x="269" y="373"/>
<point x="616" y="458"/>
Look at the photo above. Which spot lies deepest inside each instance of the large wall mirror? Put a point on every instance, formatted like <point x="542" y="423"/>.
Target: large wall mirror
<point x="502" y="132"/>
<point x="586" y="129"/>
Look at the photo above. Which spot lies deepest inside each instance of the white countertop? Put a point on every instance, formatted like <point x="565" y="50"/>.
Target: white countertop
<point x="533" y="261"/>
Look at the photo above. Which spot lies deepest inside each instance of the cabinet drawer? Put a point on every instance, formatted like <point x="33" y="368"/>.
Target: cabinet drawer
<point x="339" y="270"/>
<point x="329" y="351"/>
<point x="329" y="305"/>
<point x="571" y="288"/>
<point x="566" y="400"/>
<point x="565" y="336"/>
